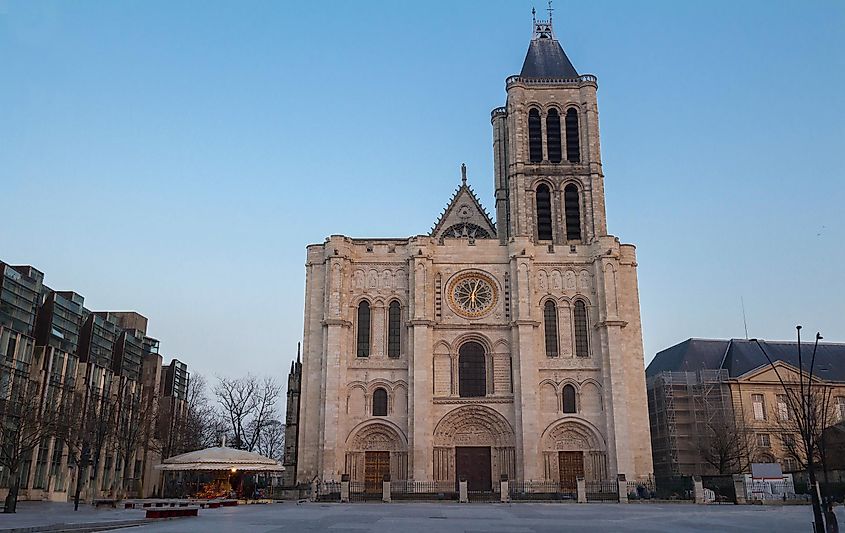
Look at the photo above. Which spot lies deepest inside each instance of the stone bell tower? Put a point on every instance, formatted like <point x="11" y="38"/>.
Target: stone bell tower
<point x="547" y="161"/>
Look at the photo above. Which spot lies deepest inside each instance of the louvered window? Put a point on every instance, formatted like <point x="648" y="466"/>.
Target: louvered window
<point x="544" y="213"/>
<point x="379" y="402"/>
<point x="573" y="143"/>
<point x="569" y="399"/>
<point x="394" y="331"/>
<point x="472" y="372"/>
<point x="550" y="323"/>
<point x="582" y="348"/>
<point x="553" y="136"/>
<point x="572" y="208"/>
<point x="535" y="139"/>
<point x="364" y="329"/>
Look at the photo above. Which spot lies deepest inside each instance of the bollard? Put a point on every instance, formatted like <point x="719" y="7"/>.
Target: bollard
<point x="504" y="490"/>
<point x="315" y="488"/>
<point x="739" y="488"/>
<point x="698" y="489"/>
<point x="622" y="487"/>
<point x="582" y="489"/>
<point x="344" y="488"/>
<point x="385" y="489"/>
<point x="462" y="491"/>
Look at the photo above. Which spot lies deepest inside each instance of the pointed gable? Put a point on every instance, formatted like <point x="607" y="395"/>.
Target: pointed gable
<point x="464" y="217"/>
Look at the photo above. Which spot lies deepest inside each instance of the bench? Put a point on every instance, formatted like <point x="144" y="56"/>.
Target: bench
<point x="171" y="512"/>
<point x="105" y="502"/>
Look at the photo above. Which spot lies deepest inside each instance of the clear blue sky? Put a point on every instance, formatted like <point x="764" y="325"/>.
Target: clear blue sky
<point x="175" y="158"/>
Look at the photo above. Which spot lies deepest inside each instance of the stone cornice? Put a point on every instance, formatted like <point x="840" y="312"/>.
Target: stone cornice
<point x="611" y="323"/>
<point x="337" y="322"/>
<point x="486" y="399"/>
<point x="420" y="322"/>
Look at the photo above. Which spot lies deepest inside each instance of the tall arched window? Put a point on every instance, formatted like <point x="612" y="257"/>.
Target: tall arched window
<point x="379" y="402"/>
<point x="550" y="326"/>
<point x="582" y="349"/>
<point x="573" y="142"/>
<point x="394" y="331"/>
<point x="553" y="136"/>
<point x="569" y="399"/>
<point x="364" y="329"/>
<point x="544" y="213"/>
<point x="472" y="371"/>
<point x="535" y="137"/>
<point x="572" y="208"/>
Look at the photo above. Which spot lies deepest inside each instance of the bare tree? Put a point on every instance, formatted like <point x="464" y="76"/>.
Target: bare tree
<point x="247" y="404"/>
<point x="271" y="443"/>
<point x="727" y="446"/>
<point x="25" y="422"/>
<point x="136" y="418"/>
<point x="202" y="425"/>
<point x="803" y="402"/>
<point x="818" y="414"/>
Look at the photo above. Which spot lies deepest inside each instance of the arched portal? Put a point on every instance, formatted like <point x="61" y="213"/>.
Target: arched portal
<point x="573" y="448"/>
<point x="474" y="442"/>
<point x="376" y="449"/>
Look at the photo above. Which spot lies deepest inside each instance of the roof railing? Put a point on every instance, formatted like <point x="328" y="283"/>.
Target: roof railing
<point x="580" y="80"/>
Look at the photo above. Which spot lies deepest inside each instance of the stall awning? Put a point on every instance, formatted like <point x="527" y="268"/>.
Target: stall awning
<point x="221" y="458"/>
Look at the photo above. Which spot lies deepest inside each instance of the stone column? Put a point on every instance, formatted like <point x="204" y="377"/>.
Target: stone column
<point x="582" y="489"/>
<point x="504" y="489"/>
<point x="420" y="425"/>
<point x="344" y="488"/>
<point x="334" y="381"/>
<point x="463" y="495"/>
<point x="739" y="488"/>
<point x="622" y="487"/>
<point x="385" y="490"/>
<point x="698" y="489"/>
<point x="526" y="378"/>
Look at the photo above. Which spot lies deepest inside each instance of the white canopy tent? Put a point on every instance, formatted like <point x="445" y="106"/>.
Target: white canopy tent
<point x="221" y="458"/>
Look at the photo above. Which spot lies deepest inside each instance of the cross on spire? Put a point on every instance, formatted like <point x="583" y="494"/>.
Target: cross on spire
<point x="550" y="11"/>
<point x="463" y="173"/>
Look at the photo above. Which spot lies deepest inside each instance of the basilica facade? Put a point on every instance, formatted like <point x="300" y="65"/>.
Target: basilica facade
<point x="486" y="347"/>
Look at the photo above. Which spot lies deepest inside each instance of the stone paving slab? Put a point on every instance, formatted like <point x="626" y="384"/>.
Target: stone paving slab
<point x="32" y="514"/>
<point x="440" y="517"/>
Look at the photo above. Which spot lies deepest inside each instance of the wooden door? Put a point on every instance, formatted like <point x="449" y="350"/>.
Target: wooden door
<point x="473" y="464"/>
<point x="571" y="467"/>
<point x="377" y="465"/>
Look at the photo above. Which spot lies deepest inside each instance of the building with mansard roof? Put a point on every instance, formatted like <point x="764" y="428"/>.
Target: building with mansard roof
<point x="506" y="345"/>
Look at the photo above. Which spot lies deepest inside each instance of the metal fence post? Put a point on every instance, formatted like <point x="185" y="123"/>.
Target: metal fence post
<point x="344" y="488"/>
<point x="582" y="489"/>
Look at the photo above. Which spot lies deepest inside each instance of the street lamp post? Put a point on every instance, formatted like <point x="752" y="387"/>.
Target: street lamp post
<point x="806" y="421"/>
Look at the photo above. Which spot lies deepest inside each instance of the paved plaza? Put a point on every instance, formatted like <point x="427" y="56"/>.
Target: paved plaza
<point x="443" y="517"/>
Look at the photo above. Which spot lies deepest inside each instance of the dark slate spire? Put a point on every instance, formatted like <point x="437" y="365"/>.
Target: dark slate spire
<point x="545" y="57"/>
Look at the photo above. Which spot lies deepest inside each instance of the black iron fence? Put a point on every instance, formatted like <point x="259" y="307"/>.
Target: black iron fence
<point x="723" y="488"/>
<point x="423" y="490"/>
<point x="661" y="488"/>
<point x="540" y="490"/>
<point x="328" y="491"/>
<point x="602" y="491"/>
